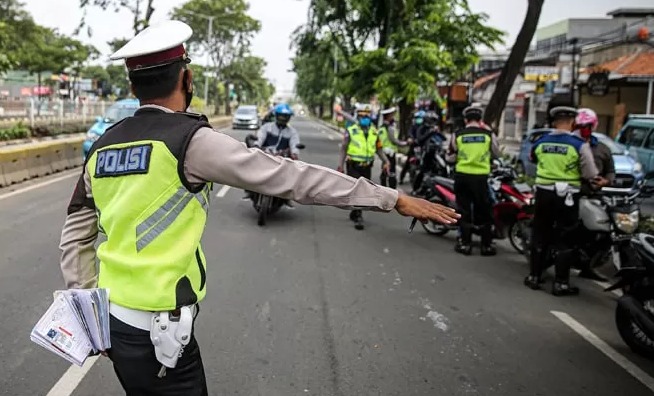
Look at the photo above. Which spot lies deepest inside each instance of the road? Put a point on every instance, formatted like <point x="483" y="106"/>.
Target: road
<point x="310" y="306"/>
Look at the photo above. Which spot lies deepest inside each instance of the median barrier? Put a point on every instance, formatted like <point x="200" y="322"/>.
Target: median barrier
<point x="13" y="163"/>
<point x="58" y="159"/>
<point x="38" y="160"/>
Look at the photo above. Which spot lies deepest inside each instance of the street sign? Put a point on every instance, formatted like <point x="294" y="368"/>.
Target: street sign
<point x="598" y="84"/>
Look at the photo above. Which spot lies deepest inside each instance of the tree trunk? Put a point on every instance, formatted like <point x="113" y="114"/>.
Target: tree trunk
<point x="514" y="64"/>
<point x="38" y="93"/>
<point x="405" y="118"/>
<point x="321" y="110"/>
<point x="228" y="109"/>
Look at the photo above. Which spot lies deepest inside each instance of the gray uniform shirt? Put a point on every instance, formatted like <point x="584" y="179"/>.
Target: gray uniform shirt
<point x="216" y="157"/>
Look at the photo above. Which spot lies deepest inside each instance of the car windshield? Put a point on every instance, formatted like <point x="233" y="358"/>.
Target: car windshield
<point x="246" y="111"/>
<point x="615" y="148"/>
<point x="117" y="113"/>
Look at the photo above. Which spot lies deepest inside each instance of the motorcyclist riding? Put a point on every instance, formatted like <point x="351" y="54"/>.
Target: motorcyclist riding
<point x="418" y="119"/>
<point x="277" y="136"/>
<point x="430" y="139"/>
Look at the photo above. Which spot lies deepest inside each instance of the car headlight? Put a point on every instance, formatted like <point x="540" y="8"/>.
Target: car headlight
<point x="92" y="136"/>
<point x="626" y="222"/>
<point x="638" y="167"/>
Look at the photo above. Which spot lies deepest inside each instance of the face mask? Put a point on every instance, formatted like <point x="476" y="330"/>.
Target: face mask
<point x="419" y="121"/>
<point x="585" y="132"/>
<point x="188" y="96"/>
<point x="365" y="121"/>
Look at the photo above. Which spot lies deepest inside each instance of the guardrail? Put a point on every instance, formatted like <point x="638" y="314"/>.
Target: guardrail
<point x="22" y="162"/>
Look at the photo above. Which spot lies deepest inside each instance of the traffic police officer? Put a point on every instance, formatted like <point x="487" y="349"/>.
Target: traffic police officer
<point x="360" y="144"/>
<point x="390" y="144"/>
<point x="145" y="185"/>
<point x="563" y="160"/>
<point x="473" y="149"/>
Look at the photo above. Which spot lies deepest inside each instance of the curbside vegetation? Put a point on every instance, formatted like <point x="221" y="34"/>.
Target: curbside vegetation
<point x="24" y="160"/>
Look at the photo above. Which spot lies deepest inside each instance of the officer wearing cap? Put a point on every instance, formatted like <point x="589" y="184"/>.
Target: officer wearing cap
<point x="563" y="160"/>
<point x="360" y="144"/>
<point x="473" y="149"/>
<point x="145" y="185"/>
<point x="390" y="144"/>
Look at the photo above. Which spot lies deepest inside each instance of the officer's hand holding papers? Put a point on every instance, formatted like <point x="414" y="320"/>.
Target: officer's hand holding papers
<point x="76" y="325"/>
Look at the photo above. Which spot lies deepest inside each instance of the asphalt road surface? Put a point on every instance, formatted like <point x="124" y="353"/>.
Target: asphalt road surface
<point x="307" y="305"/>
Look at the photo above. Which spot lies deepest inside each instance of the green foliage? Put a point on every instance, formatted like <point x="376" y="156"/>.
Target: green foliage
<point x="18" y="131"/>
<point x="141" y="11"/>
<point x="17" y="30"/>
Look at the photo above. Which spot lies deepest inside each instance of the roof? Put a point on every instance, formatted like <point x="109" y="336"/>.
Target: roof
<point x="631" y="12"/>
<point x="638" y="64"/>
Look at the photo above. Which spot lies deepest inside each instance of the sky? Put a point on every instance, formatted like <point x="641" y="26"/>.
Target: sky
<point x="279" y="18"/>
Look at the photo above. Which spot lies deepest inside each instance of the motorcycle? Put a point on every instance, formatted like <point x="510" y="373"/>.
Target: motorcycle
<point x="634" y="313"/>
<point x="607" y="222"/>
<point x="266" y="205"/>
<point x="510" y="199"/>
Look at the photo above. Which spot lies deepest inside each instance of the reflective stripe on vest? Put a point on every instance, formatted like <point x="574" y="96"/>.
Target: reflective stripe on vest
<point x="473" y="152"/>
<point x="386" y="141"/>
<point x="362" y="148"/>
<point x="557" y="162"/>
<point x="163" y="217"/>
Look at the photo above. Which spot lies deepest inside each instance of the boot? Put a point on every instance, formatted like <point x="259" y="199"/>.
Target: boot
<point x="358" y="224"/>
<point x="463" y="248"/>
<point x="533" y="282"/>
<point x="561" y="289"/>
<point x="488" y="250"/>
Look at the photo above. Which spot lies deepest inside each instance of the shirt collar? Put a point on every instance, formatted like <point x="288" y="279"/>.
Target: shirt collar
<point x="153" y="106"/>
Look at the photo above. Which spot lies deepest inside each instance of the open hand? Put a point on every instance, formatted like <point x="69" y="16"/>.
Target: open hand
<point x="340" y="169"/>
<point x="600" y="182"/>
<point x="424" y="210"/>
<point x="386" y="167"/>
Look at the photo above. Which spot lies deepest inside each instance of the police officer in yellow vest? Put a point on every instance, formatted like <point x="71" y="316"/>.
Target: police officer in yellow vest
<point x="390" y="144"/>
<point x="563" y="160"/>
<point x="360" y="144"/>
<point x="473" y="149"/>
<point x="145" y="185"/>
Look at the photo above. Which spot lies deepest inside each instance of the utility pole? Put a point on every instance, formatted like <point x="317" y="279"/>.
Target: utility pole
<point x="573" y="86"/>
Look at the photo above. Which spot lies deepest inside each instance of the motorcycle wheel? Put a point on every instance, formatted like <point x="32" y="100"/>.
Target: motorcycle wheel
<point x="264" y="205"/>
<point x="633" y="335"/>
<point x="434" y="228"/>
<point x="517" y="236"/>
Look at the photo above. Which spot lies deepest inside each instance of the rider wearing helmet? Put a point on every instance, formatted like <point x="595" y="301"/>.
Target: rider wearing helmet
<point x="586" y="123"/>
<point x="278" y="134"/>
<point x="430" y="139"/>
<point x="418" y="119"/>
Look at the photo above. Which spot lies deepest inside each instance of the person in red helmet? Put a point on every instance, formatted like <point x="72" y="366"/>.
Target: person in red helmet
<point x="586" y="123"/>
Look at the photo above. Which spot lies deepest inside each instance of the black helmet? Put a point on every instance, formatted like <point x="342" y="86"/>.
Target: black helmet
<point x="431" y="119"/>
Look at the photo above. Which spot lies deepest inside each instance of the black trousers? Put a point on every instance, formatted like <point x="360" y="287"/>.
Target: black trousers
<point x="405" y="169"/>
<point x="136" y="365"/>
<point x="474" y="205"/>
<point x="554" y="226"/>
<point x="390" y="179"/>
<point x="427" y="166"/>
<point x="357" y="170"/>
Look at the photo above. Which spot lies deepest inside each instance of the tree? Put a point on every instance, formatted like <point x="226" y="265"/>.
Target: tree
<point x="246" y="74"/>
<point x="118" y="80"/>
<point x="513" y="64"/>
<point x="141" y="11"/>
<point x="17" y="30"/>
<point x="232" y="30"/>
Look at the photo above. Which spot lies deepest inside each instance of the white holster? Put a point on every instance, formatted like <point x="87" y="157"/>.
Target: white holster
<point x="563" y="189"/>
<point x="170" y="335"/>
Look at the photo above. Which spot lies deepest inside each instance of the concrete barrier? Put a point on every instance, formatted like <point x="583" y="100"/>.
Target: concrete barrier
<point x="58" y="157"/>
<point x="38" y="161"/>
<point x="14" y="165"/>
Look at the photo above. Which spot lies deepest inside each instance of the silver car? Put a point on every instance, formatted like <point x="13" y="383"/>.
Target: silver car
<point x="246" y="117"/>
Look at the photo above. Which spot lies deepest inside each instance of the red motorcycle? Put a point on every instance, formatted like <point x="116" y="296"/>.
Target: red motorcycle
<point x="511" y="202"/>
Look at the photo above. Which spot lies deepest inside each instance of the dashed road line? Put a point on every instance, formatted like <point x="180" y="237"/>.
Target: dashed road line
<point x="72" y="378"/>
<point x="611" y="353"/>
<point x="223" y="191"/>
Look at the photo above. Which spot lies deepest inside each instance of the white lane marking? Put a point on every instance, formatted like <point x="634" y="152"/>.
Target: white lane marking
<point x="605" y="285"/>
<point x="72" y="378"/>
<point x="611" y="353"/>
<point x="39" y="185"/>
<point x="223" y="191"/>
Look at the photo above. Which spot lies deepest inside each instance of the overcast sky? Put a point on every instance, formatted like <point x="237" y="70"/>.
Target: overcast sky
<point x="280" y="17"/>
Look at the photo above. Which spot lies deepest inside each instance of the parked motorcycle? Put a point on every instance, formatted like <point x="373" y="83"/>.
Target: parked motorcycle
<point x="265" y="205"/>
<point x="510" y="198"/>
<point x="634" y="314"/>
<point x="607" y="222"/>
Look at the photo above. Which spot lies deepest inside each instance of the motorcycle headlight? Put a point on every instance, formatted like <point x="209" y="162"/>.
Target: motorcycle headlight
<point x="626" y="222"/>
<point x="92" y="136"/>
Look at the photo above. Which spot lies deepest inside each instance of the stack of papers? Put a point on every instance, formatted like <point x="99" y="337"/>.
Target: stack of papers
<point x="76" y="325"/>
